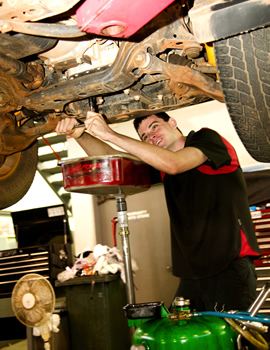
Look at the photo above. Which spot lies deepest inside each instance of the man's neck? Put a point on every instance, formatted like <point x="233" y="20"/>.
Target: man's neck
<point x="178" y="144"/>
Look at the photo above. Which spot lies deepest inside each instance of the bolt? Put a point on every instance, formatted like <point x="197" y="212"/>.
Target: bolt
<point x="192" y="50"/>
<point x="99" y="100"/>
<point x="142" y="59"/>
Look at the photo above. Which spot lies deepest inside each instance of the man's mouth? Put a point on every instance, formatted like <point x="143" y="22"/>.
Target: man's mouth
<point x="158" y="142"/>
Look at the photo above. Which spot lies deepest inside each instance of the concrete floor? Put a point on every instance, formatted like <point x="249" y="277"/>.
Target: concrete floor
<point x="21" y="345"/>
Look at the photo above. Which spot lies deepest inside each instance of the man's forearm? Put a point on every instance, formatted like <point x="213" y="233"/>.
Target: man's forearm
<point x="94" y="146"/>
<point x="160" y="158"/>
<point x="155" y="156"/>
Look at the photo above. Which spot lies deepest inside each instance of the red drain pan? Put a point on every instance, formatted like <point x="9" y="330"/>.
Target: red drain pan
<point x="106" y="175"/>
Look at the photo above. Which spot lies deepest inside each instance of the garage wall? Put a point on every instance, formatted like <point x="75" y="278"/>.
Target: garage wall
<point x="150" y="243"/>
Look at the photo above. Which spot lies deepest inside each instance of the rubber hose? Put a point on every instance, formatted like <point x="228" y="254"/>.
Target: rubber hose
<point x="251" y="335"/>
<point x="234" y="316"/>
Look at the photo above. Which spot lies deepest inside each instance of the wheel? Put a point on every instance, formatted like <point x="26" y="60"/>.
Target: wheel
<point x="17" y="174"/>
<point x="244" y="71"/>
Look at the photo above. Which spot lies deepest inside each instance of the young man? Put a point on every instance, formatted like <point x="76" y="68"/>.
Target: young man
<point x="212" y="236"/>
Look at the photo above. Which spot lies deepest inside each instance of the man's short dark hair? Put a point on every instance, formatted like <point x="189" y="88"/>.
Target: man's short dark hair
<point x="161" y="115"/>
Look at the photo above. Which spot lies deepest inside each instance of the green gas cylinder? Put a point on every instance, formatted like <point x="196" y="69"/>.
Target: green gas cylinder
<point x="158" y="329"/>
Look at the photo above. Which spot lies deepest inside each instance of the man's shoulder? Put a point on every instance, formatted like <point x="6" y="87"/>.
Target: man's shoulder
<point x="203" y="133"/>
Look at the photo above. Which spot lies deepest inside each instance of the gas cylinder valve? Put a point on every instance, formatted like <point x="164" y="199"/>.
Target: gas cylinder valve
<point x="181" y="309"/>
<point x="181" y="302"/>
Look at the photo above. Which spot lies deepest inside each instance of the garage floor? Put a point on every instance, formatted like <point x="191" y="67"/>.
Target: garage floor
<point x="21" y="345"/>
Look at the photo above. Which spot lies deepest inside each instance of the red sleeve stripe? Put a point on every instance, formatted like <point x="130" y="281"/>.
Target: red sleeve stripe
<point x="162" y="174"/>
<point x="206" y="169"/>
<point x="245" y="247"/>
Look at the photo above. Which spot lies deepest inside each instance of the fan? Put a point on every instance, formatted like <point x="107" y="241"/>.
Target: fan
<point x="33" y="302"/>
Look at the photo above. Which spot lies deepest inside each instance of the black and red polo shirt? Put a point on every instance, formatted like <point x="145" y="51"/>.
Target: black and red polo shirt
<point x="209" y="211"/>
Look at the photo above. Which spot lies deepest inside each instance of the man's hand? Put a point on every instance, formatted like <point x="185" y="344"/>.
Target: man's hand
<point x="66" y="126"/>
<point x="90" y="135"/>
<point x="97" y="126"/>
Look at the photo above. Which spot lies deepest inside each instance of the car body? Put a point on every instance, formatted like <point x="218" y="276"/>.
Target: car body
<point x="127" y="59"/>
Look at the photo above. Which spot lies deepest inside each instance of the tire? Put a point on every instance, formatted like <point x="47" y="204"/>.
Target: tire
<point x="244" y="71"/>
<point x="17" y="174"/>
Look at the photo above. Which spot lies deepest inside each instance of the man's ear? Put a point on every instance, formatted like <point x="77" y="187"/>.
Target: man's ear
<point x="172" y="122"/>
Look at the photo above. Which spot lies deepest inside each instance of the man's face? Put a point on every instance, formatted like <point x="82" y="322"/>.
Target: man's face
<point x="156" y="131"/>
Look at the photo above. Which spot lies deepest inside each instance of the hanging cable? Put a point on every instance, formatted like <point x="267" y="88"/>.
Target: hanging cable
<point x="48" y="143"/>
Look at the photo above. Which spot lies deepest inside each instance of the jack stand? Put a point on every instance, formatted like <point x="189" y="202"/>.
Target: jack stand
<point x="124" y="233"/>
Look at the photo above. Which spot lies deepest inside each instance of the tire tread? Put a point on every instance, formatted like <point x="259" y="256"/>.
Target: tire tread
<point x="243" y="68"/>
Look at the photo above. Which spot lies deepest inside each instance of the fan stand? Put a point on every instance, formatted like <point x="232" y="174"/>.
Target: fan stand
<point x="28" y="301"/>
<point x="33" y="302"/>
<point x="45" y="335"/>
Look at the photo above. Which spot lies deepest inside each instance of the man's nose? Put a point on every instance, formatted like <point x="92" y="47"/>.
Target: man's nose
<point x="152" y="137"/>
